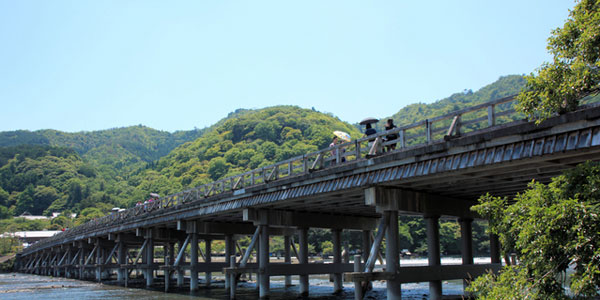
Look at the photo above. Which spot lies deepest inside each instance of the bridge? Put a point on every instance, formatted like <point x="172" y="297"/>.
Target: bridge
<point x="438" y="169"/>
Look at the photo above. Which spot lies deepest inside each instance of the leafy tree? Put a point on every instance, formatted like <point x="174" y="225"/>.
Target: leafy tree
<point x="3" y="197"/>
<point x="88" y="214"/>
<point x="44" y="196"/>
<point x="575" y="71"/>
<point x="327" y="248"/>
<point x="550" y="227"/>
<point x="25" y="200"/>
<point x="217" y="168"/>
<point x="62" y="221"/>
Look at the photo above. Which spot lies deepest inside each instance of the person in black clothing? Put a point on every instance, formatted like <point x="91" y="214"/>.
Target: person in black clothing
<point x="369" y="130"/>
<point x="390" y="137"/>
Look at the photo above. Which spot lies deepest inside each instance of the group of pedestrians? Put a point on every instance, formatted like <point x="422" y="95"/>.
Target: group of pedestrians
<point x="389" y="125"/>
<point x="369" y="131"/>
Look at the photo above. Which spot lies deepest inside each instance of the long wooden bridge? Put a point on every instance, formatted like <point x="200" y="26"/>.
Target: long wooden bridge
<point x="438" y="169"/>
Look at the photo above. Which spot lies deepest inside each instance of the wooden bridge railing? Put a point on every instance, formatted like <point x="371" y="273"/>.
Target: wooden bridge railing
<point x="410" y="136"/>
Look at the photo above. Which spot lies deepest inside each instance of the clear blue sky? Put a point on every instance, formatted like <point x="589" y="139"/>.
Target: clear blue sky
<point x="175" y="65"/>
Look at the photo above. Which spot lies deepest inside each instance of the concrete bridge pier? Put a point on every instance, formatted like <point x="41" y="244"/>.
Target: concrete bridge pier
<point x="495" y="249"/>
<point x="433" y="253"/>
<point x="149" y="263"/>
<point x="82" y="261"/>
<point x="287" y="243"/>
<point x="392" y="257"/>
<point x="193" y="261"/>
<point x="229" y="252"/>
<point x="208" y="259"/>
<point x="366" y="244"/>
<point x="180" y="271"/>
<point x="67" y="263"/>
<point x="466" y="234"/>
<point x="303" y="259"/>
<point x="121" y="259"/>
<point x="263" y="262"/>
<point x="336" y="234"/>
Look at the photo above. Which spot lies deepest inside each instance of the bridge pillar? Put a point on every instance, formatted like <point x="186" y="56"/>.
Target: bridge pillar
<point x="68" y="262"/>
<point x="149" y="257"/>
<point x="392" y="258"/>
<point x="194" y="262"/>
<point x="337" y="259"/>
<point x="366" y="244"/>
<point x="287" y="243"/>
<point x="303" y="253"/>
<point x="121" y="259"/>
<point x="99" y="262"/>
<point x="466" y="234"/>
<point x="494" y="249"/>
<point x="208" y="259"/>
<point x="229" y="251"/>
<point x="168" y="255"/>
<point x="82" y="261"/>
<point x="263" y="262"/>
<point x="433" y="253"/>
<point x="257" y="251"/>
<point x="181" y="271"/>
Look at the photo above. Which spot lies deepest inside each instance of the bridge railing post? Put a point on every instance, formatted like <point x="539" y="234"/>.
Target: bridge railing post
<point x="491" y="115"/>
<point x="428" y="130"/>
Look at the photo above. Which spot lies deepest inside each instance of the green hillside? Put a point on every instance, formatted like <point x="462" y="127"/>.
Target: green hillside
<point x="117" y="150"/>
<point x="503" y="87"/>
<point x="252" y="139"/>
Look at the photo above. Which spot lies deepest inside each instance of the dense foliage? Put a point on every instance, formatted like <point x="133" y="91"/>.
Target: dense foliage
<point x="574" y="72"/>
<point x="552" y="228"/>
<point x="505" y="86"/>
<point x="251" y="140"/>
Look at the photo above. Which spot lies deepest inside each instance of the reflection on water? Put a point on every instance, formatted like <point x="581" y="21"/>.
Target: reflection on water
<point x="24" y="286"/>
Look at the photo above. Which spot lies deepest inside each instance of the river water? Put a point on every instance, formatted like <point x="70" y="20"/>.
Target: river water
<point x="24" y="286"/>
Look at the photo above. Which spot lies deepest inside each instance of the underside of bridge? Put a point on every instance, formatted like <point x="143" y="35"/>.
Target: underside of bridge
<point x="439" y="180"/>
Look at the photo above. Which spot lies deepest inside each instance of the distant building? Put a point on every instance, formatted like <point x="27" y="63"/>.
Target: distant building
<point x="27" y="216"/>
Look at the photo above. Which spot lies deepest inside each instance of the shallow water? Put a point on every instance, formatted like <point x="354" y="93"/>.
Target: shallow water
<point x="24" y="286"/>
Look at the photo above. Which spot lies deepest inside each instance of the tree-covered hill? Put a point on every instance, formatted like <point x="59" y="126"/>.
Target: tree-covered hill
<point x="116" y="151"/>
<point x="245" y="140"/>
<point x="503" y="87"/>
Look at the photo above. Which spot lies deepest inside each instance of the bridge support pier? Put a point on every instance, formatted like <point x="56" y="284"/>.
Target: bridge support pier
<point x="229" y="251"/>
<point x="303" y="253"/>
<point x="194" y="261"/>
<point x="68" y="262"/>
<point x="287" y="243"/>
<point x="494" y="249"/>
<point x="121" y="259"/>
<point x="263" y="262"/>
<point x="466" y="234"/>
<point x="208" y="259"/>
<point x="82" y="261"/>
<point x="180" y="272"/>
<point x="392" y="258"/>
<point x="149" y="258"/>
<point x="338" y="286"/>
<point x="99" y="261"/>
<point x="433" y="253"/>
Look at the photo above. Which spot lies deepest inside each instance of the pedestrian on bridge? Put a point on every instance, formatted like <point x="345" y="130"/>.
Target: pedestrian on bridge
<point x="390" y="137"/>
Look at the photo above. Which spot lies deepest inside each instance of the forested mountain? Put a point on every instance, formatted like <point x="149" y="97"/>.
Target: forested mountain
<point x="117" y="151"/>
<point x="252" y="139"/>
<point x="503" y="87"/>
